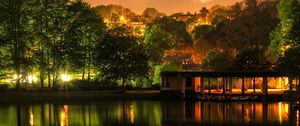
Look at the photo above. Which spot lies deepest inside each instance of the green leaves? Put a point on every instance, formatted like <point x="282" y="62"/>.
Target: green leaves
<point x="119" y="56"/>
<point x="287" y="34"/>
<point x="157" y="42"/>
<point x="217" y="60"/>
<point x="290" y="63"/>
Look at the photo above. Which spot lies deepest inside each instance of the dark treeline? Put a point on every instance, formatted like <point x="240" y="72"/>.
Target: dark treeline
<point x="45" y="42"/>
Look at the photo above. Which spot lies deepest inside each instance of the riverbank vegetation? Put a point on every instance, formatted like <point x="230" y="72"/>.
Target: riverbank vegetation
<point x="51" y="44"/>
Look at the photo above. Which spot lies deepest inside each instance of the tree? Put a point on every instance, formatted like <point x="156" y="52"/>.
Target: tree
<point x="108" y="11"/>
<point x="252" y="59"/>
<point x="157" y="42"/>
<point x="15" y="30"/>
<point x="219" y="14"/>
<point x="175" y="28"/>
<point x="217" y="60"/>
<point x="203" y="13"/>
<point x="289" y="64"/>
<point x="249" y="25"/>
<point x="151" y="13"/>
<point x="202" y="36"/>
<point x="202" y="31"/>
<point x="84" y="32"/>
<point x="287" y="34"/>
<point x="120" y="56"/>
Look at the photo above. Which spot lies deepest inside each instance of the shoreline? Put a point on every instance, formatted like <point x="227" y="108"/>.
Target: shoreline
<point x="94" y="95"/>
<point x="53" y="96"/>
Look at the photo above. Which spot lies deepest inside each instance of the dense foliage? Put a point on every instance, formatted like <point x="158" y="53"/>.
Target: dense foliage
<point x="43" y="41"/>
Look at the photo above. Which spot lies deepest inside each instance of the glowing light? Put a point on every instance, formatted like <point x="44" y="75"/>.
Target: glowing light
<point x="131" y="114"/>
<point x="65" y="77"/>
<point x="64" y="116"/>
<point x="32" y="79"/>
<point x="15" y="76"/>
<point x="280" y="111"/>
<point x="31" y="119"/>
<point x="286" y="108"/>
<point x="122" y="18"/>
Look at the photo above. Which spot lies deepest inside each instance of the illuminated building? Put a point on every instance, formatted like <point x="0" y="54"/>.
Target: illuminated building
<point x="242" y="83"/>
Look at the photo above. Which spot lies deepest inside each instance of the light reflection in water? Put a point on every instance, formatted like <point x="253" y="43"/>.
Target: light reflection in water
<point x="297" y="118"/>
<point x="64" y="116"/>
<point x="31" y="119"/>
<point x="149" y="113"/>
<point x="131" y="114"/>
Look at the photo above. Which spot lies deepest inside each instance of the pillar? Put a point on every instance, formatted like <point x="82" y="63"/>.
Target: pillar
<point x="290" y="83"/>
<point x="162" y="82"/>
<point x="223" y="85"/>
<point x="230" y="85"/>
<point x="209" y="88"/>
<point x="202" y="84"/>
<point x="183" y="86"/>
<point x="265" y="86"/>
<point x="226" y="84"/>
<point x="243" y="86"/>
<point x="254" y="85"/>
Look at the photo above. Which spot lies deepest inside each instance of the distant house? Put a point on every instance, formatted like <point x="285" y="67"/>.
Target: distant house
<point x="188" y="58"/>
<point x="241" y="83"/>
<point x="182" y="17"/>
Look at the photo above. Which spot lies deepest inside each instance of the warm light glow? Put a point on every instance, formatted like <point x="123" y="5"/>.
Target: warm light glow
<point x="297" y="118"/>
<point x="286" y="108"/>
<point x="31" y="122"/>
<point x="64" y="116"/>
<point x="122" y="18"/>
<point x="197" y="112"/>
<point x="32" y="79"/>
<point x="65" y="77"/>
<point x="131" y="114"/>
<point x="286" y="80"/>
<point x="15" y="76"/>
<point x="280" y="111"/>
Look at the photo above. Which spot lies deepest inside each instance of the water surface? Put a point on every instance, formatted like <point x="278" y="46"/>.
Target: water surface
<point x="147" y="113"/>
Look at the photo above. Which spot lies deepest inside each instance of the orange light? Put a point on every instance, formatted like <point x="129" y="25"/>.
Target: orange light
<point x="122" y="18"/>
<point x="131" y="114"/>
<point x="31" y="122"/>
<point x="64" y="116"/>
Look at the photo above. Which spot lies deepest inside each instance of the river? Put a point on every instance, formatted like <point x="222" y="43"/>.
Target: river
<point x="147" y="113"/>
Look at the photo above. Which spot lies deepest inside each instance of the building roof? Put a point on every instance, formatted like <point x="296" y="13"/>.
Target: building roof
<point x="223" y="74"/>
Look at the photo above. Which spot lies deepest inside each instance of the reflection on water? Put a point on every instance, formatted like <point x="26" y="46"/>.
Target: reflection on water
<point x="152" y="113"/>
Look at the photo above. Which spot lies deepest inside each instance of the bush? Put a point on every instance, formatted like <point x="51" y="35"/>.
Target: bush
<point x="4" y="87"/>
<point x="290" y="95"/>
<point x="92" y="85"/>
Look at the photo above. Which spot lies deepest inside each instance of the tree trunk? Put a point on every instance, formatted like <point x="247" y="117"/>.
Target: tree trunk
<point x="123" y="85"/>
<point x="18" y="78"/>
<point x="48" y="69"/>
<point x="42" y="77"/>
<point x="89" y="64"/>
<point x="49" y="76"/>
<point x="83" y="71"/>
<point x="42" y="60"/>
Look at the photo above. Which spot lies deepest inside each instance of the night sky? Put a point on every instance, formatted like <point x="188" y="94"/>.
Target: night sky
<point x="165" y="6"/>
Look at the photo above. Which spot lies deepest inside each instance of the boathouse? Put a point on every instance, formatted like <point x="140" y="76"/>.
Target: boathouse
<point x="239" y="83"/>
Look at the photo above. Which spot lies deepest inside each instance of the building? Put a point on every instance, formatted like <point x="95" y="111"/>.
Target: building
<point x="239" y="83"/>
<point x="182" y="17"/>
